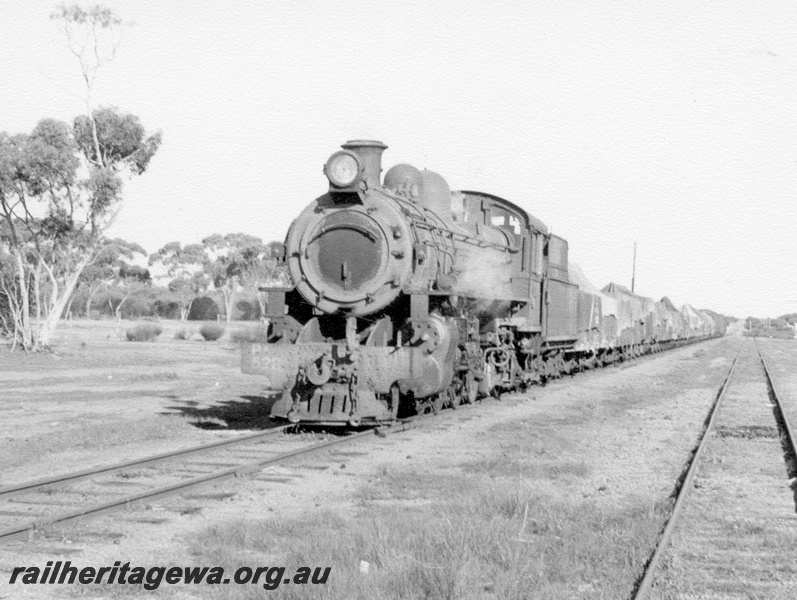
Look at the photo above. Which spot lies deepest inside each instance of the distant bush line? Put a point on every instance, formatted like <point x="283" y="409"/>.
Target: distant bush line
<point x="782" y="328"/>
<point x="154" y="301"/>
<point x="770" y="332"/>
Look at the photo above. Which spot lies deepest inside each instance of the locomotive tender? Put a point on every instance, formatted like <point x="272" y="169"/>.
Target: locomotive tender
<point x="408" y="297"/>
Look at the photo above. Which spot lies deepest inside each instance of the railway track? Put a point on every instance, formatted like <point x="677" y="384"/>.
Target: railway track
<point x="37" y="504"/>
<point x="733" y="528"/>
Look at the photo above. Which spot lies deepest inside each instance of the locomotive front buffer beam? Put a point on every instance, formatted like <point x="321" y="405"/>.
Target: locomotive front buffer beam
<point x="327" y="383"/>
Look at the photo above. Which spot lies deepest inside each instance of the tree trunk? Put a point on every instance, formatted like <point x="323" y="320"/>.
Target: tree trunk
<point x="119" y="309"/>
<point x="186" y="309"/>
<point x="37" y="290"/>
<point x="94" y="136"/>
<point x="48" y="327"/>
<point x="16" y="313"/>
<point x="27" y="333"/>
<point x="228" y="298"/>
<point x="68" y="311"/>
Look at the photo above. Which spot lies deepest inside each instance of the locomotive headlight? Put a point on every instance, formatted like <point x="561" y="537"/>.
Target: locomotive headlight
<point x="343" y="169"/>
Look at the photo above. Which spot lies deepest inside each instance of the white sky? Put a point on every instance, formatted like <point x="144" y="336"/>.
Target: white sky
<point x="673" y="124"/>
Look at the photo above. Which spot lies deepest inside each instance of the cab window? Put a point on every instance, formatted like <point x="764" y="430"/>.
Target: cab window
<point x="500" y="217"/>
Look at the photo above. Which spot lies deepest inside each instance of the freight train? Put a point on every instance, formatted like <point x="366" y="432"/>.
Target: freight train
<point x="407" y="297"/>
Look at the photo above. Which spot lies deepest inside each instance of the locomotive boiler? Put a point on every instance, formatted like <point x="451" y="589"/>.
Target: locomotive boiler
<point x="406" y="297"/>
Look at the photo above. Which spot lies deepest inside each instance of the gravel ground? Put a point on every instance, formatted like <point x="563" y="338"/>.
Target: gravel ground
<point x="613" y="438"/>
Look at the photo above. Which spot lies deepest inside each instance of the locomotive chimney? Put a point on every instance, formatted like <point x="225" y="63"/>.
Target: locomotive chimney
<point x="370" y="153"/>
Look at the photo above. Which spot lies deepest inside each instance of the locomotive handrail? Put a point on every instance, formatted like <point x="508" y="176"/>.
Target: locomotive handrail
<point x="352" y="226"/>
<point x="416" y="213"/>
<point x="467" y="238"/>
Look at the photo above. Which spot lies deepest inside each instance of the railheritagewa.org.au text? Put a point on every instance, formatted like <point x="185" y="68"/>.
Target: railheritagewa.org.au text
<point x="151" y="578"/>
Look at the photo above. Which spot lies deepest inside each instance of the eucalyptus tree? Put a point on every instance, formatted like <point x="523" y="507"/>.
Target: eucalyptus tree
<point x="183" y="266"/>
<point x="272" y="272"/>
<point x="129" y="280"/>
<point x="56" y="203"/>
<point x="93" y="35"/>
<point x="108" y="267"/>
<point x="61" y="186"/>
<point x="236" y="261"/>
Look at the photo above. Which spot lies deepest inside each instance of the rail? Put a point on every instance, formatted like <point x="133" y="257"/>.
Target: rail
<point x="776" y="400"/>
<point x="68" y="478"/>
<point x="158" y="492"/>
<point x="644" y="585"/>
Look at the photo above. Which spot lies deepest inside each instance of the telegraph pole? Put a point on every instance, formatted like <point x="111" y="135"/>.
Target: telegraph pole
<point x="633" y="271"/>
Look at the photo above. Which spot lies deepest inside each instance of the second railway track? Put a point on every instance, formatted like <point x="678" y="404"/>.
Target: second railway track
<point x="733" y="528"/>
<point x="32" y="505"/>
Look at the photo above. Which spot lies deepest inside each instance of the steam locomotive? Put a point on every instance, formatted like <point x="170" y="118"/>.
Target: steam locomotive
<point x="408" y="297"/>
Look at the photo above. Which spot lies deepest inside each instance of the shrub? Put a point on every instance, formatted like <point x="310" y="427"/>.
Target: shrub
<point x="256" y="334"/>
<point x="203" y="309"/>
<point x="136" y="307"/>
<point x="182" y="334"/>
<point x="168" y="309"/>
<point x="211" y="331"/>
<point x="143" y="332"/>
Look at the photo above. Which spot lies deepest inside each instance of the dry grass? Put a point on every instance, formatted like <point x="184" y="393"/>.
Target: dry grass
<point x="463" y="536"/>
<point x="155" y="376"/>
